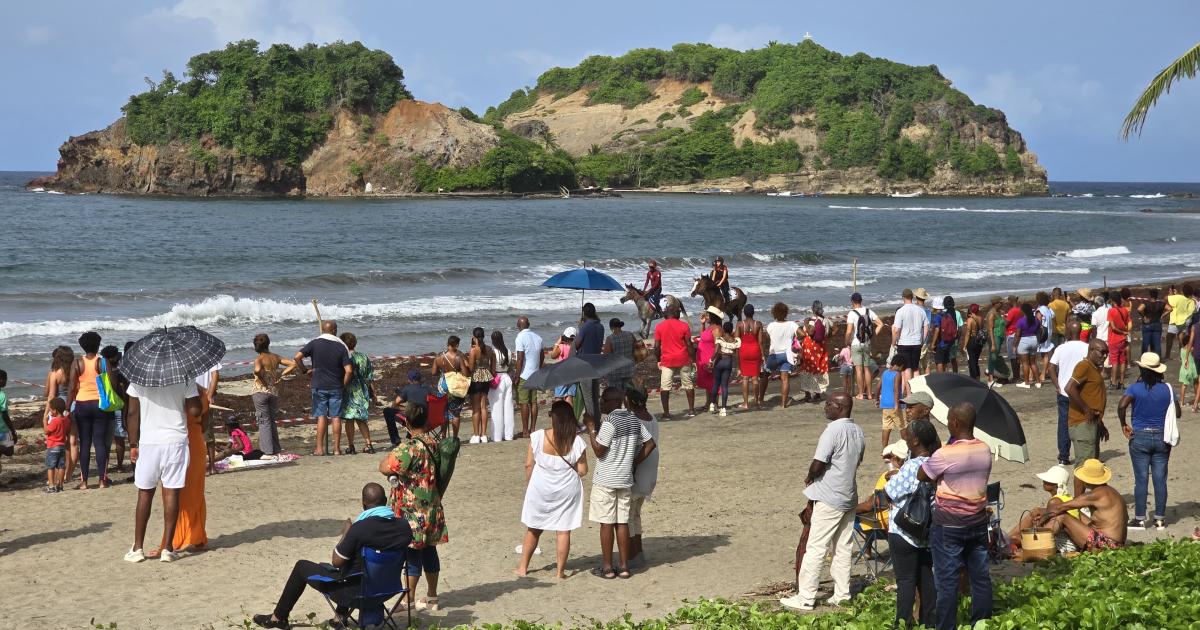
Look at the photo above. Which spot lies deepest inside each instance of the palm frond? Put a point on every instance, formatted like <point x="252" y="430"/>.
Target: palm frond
<point x="1185" y="67"/>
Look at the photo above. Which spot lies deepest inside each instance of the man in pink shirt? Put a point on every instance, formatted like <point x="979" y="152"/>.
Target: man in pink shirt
<point x="673" y="347"/>
<point x="959" y="534"/>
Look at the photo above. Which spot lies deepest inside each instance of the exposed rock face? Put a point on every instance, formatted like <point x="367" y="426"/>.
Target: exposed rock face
<point x="358" y="149"/>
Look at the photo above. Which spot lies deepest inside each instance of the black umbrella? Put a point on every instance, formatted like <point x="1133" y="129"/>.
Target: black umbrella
<point x="996" y="423"/>
<point x="170" y="356"/>
<point x="581" y="367"/>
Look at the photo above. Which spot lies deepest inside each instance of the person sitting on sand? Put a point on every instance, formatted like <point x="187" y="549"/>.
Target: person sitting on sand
<point x="239" y="443"/>
<point x="1105" y="528"/>
<point x="376" y="527"/>
<point x="1057" y="482"/>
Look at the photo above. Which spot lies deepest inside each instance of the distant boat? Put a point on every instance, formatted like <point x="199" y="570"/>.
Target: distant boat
<point x="786" y="193"/>
<point x="906" y="195"/>
<point x="713" y="191"/>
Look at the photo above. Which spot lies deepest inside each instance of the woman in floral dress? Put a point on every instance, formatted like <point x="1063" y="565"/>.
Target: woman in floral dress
<point x="357" y="399"/>
<point x="814" y="362"/>
<point x="411" y="469"/>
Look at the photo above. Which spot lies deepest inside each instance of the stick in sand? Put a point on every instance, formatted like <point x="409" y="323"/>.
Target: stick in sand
<point x="854" y="277"/>
<point x="320" y="324"/>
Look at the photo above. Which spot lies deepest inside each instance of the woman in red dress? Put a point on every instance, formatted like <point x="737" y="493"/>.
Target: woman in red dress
<point x="750" y="356"/>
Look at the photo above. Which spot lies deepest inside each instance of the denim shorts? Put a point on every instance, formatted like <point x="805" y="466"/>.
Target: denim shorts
<point x="327" y="403"/>
<point x="424" y="558"/>
<point x="56" y="457"/>
<point x="778" y="363"/>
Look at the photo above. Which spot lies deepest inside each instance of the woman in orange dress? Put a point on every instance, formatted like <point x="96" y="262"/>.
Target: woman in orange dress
<point x="189" y="526"/>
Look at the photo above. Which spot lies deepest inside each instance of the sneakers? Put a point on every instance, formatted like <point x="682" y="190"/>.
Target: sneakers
<point x="794" y="602"/>
<point x="723" y="412"/>
<point x="712" y="408"/>
<point x="838" y="602"/>
<point x="997" y="384"/>
<point x="1159" y="524"/>
<point x="166" y="555"/>
<point x="1023" y="385"/>
<point x="483" y="439"/>
<point x="474" y="439"/>
<point x="1136" y="524"/>
<point x="1038" y="384"/>
<point x="135" y="555"/>
<point x="50" y="489"/>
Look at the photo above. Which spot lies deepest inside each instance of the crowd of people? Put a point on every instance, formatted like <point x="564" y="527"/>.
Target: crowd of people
<point x="1077" y="343"/>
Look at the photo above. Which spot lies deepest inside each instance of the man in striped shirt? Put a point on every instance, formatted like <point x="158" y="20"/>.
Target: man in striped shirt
<point x="959" y="535"/>
<point x="620" y="443"/>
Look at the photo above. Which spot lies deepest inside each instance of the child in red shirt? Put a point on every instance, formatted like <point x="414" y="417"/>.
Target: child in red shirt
<point x="56" y="426"/>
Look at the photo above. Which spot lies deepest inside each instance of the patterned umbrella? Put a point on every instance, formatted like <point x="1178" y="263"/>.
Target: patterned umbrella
<point x="171" y="356"/>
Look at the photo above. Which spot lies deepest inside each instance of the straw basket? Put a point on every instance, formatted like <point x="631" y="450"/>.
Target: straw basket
<point x="1037" y="543"/>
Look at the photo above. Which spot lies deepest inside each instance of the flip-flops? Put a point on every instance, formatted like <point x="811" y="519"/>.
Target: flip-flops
<point x="607" y="574"/>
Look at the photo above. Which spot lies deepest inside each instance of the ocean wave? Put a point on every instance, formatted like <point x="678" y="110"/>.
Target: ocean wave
<point x="766" y="289"/>
<point x="1003" y="273"/>
<point x="1094" y="252"/>
<point x="1086" y="195"/>
<point x="1150" y="196"/>
<point x="229" y="311"/>
<point x="344" y="279"/>
<point x="981" y="210"/>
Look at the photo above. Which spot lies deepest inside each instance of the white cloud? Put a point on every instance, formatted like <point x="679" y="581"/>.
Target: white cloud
<point x="729" y="36"/>
<point x="38" y="34"/>
<point x="1048" y="96"/>
<point x="268" y="21"/>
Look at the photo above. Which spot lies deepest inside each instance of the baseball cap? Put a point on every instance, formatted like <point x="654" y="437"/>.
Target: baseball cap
<point x="570" y="331"/>
<point x="918" y="398"/>
<point x="414" y="374"/>
<point x="856" y="297"/>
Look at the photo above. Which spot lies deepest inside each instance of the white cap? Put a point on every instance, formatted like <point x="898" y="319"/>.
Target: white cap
<point x="570" y="332"/>
<point x="896" y="449"/>
<point x="938" y="303"/>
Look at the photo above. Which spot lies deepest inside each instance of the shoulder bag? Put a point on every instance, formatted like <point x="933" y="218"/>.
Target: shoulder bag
<point x="916" y="517"/>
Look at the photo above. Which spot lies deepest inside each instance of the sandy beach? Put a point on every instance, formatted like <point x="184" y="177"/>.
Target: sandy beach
<point x="722" y="524"/>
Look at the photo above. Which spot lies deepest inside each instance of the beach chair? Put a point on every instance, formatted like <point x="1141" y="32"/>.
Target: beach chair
<point x="869" y="530"/>
<point x="381" y="579"/>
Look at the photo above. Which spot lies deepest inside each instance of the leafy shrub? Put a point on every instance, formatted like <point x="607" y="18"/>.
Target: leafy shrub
<point x="515" y="164"/>
<point x="466" y="112"/>
<point x="691" y="96"/>
<point x="665" y="116"/>
<point x="270" y="104"/>
<point x="1012" y="162"/>
<point x="518" y="101"/>
<point x="622" y="89"/>
<point x="905" y="159"/>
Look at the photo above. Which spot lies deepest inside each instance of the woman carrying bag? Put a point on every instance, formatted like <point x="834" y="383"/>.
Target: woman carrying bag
<point x="911" y="557"/>
<point x="1153" y="432"/>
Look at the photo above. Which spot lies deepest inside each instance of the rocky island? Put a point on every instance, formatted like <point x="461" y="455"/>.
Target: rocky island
<point x="337" y="120"/>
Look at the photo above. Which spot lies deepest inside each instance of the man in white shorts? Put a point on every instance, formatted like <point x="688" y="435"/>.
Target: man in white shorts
<point x="158" y="446"/>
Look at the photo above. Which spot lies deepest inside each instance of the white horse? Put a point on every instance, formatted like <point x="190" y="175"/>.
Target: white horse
<point x="646" y="310"/>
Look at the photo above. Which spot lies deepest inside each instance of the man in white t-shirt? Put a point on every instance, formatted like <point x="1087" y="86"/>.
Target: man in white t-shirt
<point x="1062" y="365"/>
<point x="908" y="335"/>
<point x="529" y="360"/>
<point x="156" y="421"/>
<point x="860" y="342"/>
<point x="1100" y="322"/>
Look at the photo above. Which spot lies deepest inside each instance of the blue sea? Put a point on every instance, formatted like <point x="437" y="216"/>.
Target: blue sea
<point x="402" y="274"/>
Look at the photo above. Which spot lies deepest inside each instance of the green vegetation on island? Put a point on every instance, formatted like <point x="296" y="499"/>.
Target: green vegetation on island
<point x="273" y="104"/>
<point x="858" y="105"/>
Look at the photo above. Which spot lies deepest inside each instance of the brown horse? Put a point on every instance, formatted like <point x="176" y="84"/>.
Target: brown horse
<point x="646" y="310"/>
<point x="712" y="296"/>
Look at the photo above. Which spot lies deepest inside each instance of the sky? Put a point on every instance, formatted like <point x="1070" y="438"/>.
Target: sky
<point x="1065" y="72"/>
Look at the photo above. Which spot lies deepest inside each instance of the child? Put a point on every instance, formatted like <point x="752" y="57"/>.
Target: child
<point x="56" y="427"/>
<point x="845" y="365"/>
<point x="239" y="443"/>
<point x="888" y="393"/>
<point x="1188" y="377"/>
<point x="8" y="435"/>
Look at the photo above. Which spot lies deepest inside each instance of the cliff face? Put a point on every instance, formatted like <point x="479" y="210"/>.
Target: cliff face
<point x="358" y="150"/>
<point x="580" y="128"/>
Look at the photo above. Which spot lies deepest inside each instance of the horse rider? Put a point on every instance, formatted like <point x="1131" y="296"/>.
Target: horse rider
<point x="654" y="284"/>
<point x="720" y="277"/>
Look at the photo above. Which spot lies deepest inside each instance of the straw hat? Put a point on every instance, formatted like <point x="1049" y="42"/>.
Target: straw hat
<point x="1093" y="472"/>
<point x="1152" y="362"/>
<point x="1056" y="475"/>
<point x="921" y="294"/>
<point x="712" y="310"/>
<point x="1084" y="293"/>
<point x="896" y="449"/>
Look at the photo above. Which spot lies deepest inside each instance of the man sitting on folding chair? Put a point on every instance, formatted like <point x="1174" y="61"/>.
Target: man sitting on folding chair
<point x="376" y="528"/>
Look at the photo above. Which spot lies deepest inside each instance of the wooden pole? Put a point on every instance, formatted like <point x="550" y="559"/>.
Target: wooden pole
<point x="316" y="308"/>
<point x="854" y="277"/>
<point x="1105" y="283"/>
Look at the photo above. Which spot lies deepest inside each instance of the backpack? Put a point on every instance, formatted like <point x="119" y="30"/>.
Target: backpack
<point x="862" y="330"/>
<point x="1042" y="333"/>
<point x="948" y="328"/>
<point x="444" y="458"/>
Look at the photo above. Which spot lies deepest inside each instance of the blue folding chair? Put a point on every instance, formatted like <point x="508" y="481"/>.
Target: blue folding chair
<point x="867" y="539"/>
<point x="381" y="579"/>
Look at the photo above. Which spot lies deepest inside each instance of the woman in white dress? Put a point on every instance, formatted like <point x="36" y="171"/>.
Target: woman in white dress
<point x="500" y="397"/>
<point x="554" y="468"/>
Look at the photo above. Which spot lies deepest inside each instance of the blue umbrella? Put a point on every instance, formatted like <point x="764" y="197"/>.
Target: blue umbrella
<point x="583" y="279"/>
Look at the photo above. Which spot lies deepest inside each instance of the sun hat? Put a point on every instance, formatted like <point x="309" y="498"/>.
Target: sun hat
<point x="1056" y="475"/>
<point x="938" y="304"/>
<point x="918" y="398"/>
<point x="570" y="332"/>
<point x="712" y="310"/>
<point x="896" y="449"/>
<point x="921" y="294"/>
<point x="1093" y="472"/>
<point x="1152" y="362"/>
<point x="1084" y="293"/>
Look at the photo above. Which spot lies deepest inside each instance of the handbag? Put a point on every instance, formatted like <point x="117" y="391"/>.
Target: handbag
<point x="916" y="517"/>
<point x="109" y="400"/>
<point x="496" y="380"/>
